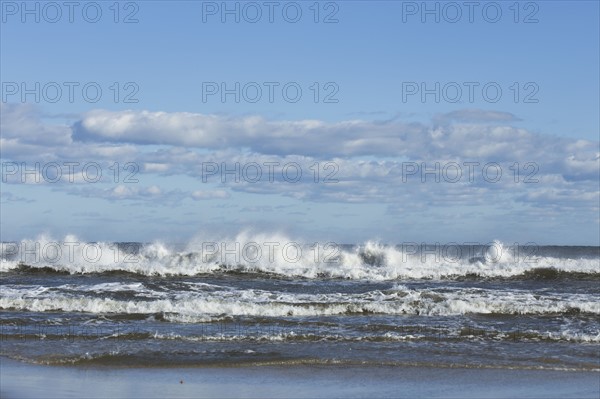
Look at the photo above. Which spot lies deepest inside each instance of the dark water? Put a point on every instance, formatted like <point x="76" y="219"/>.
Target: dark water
<point x="482" y="306"/>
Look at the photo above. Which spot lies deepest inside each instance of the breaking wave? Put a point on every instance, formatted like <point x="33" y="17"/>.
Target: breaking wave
<point x="211" y="304"/>
<point x="279" y="255"/>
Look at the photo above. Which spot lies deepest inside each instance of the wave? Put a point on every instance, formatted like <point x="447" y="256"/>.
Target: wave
<point x="212" y="305"/>
<point x="281" y="256"/>
<point x="308" y="333"/>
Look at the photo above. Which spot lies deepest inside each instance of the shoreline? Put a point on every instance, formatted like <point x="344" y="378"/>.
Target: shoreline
<point x="24" y="380"/>
<point x="283" y="363"/>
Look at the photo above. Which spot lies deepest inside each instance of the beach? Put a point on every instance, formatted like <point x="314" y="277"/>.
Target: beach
<point x="20" y="380"/>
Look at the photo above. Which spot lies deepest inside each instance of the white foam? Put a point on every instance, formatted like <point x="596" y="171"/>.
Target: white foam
<point x="313" y="333"/>
<point x="210" y="306"/>
<point x="278" y="255"/>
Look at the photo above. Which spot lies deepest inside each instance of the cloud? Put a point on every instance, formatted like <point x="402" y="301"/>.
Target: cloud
<point x="476" y="115"/>
<point x="151" y="194"/>
<point x="184" y="138"/>
<point x="199" y="195"/>
<point x="6" y="197"/>
<point x="24" y="122"/>
<point x="370" y="158"/>
<point x="345" y="139"/>
<point x="257" y="209"/>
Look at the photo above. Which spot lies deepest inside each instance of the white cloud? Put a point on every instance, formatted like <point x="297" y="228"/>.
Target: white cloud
<point x="214" y="194"/>
<point x="370" y="156"/>
<point x="6" y="197"/>
<point x="352" y="138"/>
<point x="155" y="167"/>
<point x="476" y="115"/>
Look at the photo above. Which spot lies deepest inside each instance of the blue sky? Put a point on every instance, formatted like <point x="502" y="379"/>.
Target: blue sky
<point x="370" y="136"/>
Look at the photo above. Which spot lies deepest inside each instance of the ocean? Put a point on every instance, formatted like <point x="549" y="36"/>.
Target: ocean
<point x="270" y="300"/>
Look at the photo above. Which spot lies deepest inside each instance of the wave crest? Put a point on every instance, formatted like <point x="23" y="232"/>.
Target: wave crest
<point x="279" y="255"/>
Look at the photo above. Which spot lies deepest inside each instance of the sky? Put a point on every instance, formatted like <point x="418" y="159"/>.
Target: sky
<point x="347" y="121"/>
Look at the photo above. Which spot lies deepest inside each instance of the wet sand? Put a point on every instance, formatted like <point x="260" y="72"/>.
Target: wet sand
<point x="21" y="380"/>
